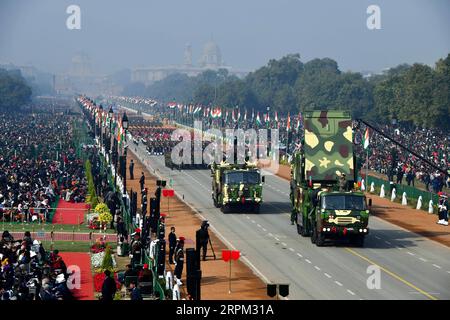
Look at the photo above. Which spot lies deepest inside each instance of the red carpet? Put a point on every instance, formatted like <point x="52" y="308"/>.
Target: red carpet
<point x="83" y="261"/>
<point x="69" y="213"/>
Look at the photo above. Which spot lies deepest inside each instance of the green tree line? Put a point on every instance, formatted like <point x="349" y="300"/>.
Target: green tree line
<point x="416" y="94"/>
<point x="14" y="91"/>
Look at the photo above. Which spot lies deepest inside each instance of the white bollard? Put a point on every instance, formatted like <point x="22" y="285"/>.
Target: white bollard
<point x="382" y="195"/>
<point x="363" y="185"/>
<point x="404" y="199"/>
<point x="393" y="194"/>
<point x="430" y="206"/>
<point x="372" y="187"/>
<point x="419" y="203"/>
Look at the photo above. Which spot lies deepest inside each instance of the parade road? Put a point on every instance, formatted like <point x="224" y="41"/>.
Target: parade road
<point x="410" y="266"/>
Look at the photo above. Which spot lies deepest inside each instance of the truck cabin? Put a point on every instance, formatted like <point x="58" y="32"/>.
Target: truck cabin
<point x="342" y="201"/>
<point x="241" y="176"/>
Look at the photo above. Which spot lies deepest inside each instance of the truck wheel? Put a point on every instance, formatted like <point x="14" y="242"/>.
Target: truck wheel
<point x="299" y="229"/>
<point x="320" y="239"/>
<point x="314" y="236"/>
<point x="225" y="208"/>
<point x="358" y="240"/>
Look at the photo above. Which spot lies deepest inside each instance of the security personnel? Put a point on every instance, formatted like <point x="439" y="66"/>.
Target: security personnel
<point x="443" y="209"/>
<point x="202" y="239"/>
<point x="142" y="181"/>
<point x="172" y="244"/>
<point x="342" y="183"/>
<point x="131" y="167"/>
<point x="136" y="248"/>
<point x="179" y="260"/>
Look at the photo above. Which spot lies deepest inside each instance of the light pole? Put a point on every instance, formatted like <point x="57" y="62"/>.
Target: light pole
<point x="111" y="114"/>
<point x="124" y="162"/>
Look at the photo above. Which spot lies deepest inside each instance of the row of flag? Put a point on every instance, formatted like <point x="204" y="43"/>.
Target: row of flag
<point x="104" y="119"/>
<point x="235" y="115"/>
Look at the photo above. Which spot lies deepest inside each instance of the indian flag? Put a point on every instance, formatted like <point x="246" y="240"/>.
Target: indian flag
<point x="366" y="139"/>
<point x="258" y="120"/>
<point x="288" y="125"/>
<point x="216" y="113"/>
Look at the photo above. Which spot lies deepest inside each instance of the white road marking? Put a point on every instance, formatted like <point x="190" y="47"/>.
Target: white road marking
<point x="378" y="237"/>
<point x="317" y="268"/>
<point x="302" y="257"/>
<point x="435" y="265"/>
<point x="338" y="283"/>
<point x="424" y="260"/>
<point x="327" y="275"/>
<point x="351" y="292"/>
<point x="277" y="239"/>
<point x="307" y="261"/>
<point x="284" y="244"/>
<point x="253" y="221"/>
<point x="410" y="253"/>
<point x="259" y="226"/>
<point x="387" y="242"/>
<point x="291" y="249"/>
<point x="264" y="229"/>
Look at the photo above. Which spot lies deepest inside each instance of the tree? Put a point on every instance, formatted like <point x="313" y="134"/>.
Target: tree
<point x="14" y="92"/>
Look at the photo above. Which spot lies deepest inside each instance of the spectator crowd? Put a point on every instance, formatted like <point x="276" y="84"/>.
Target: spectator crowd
<point x="37" y="164"/>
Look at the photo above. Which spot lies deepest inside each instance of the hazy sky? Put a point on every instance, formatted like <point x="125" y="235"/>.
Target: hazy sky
<point x="120" y="34"/>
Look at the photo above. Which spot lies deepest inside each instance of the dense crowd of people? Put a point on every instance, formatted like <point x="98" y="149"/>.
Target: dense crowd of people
<point x="37" y="164"/>
<point x="400" y="166"/>
<point x="29" y="272"/>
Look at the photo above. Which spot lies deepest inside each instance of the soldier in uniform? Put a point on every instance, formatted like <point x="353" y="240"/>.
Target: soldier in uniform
<point x="172" y="244"/>
<point x="136" y="248"/>
<point x="179" y="259"/>
<point x="131" y="167"/>
<point x="142" y="180"/>
<point x="202" y="239"/>
<point x="342" y="183"/>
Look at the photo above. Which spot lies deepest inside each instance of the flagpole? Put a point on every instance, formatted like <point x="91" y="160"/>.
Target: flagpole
<point x="367" y="169"/>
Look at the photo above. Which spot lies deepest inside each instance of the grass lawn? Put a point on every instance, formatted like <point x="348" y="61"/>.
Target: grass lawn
<point x="19" y="227"/>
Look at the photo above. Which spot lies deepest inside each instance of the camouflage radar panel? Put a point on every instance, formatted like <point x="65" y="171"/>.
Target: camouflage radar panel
<point x="328" y="145"/>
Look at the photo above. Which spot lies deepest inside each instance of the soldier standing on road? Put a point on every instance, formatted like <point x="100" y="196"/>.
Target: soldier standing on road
<point x="131" y="167"/>
<point x="172" y="244"/>
<point x="142" y="181"/>
<point x="202" y="239"/>
<point x="342" y="183"/>
<point x="179" y="260"/>
<point x="443" y="209"/>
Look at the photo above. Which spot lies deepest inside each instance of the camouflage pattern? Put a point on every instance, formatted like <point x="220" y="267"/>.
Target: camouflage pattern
<point x="232" y="194"/>
<point x="328" y="145"/>
<point x="326" y="153"/>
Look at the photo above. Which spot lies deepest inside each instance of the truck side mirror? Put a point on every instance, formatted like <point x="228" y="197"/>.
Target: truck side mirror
<point x="263" y="179"/>
<point x="370" y="202"/>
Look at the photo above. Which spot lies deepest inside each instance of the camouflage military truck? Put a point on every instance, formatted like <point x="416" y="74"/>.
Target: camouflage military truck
<point x="324" y="202"/>
<point x="236" y="186"/>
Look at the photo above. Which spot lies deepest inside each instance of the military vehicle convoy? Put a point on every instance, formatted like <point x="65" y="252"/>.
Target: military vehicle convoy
<point x="236" y="186"/>
<point x="324" y="202"/>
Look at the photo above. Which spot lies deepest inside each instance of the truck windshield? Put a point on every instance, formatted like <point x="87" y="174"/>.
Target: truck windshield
<point x="237" y="177"/>
<point x="343" y="202"/>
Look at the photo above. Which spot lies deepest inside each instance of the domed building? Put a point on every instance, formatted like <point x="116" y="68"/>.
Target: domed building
<point x="211" y="57"/>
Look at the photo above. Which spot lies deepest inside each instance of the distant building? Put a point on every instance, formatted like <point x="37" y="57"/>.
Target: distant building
<point x="211" y="59"/>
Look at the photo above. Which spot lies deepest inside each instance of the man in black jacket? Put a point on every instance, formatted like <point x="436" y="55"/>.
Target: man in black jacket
<point x="109" y="287"/>
<point x="142" y="181"/>
<point x="172" y="244"/>
<point x="131" y="167"/>
<point x="202" y="239"/>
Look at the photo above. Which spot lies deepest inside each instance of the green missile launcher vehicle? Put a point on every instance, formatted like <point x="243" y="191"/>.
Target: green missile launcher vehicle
<point x="236" y="186"/>
<point x="325" y="202"/>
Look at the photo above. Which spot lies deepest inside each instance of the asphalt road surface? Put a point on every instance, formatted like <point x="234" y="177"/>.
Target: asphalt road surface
<point x="410" y="266"/>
